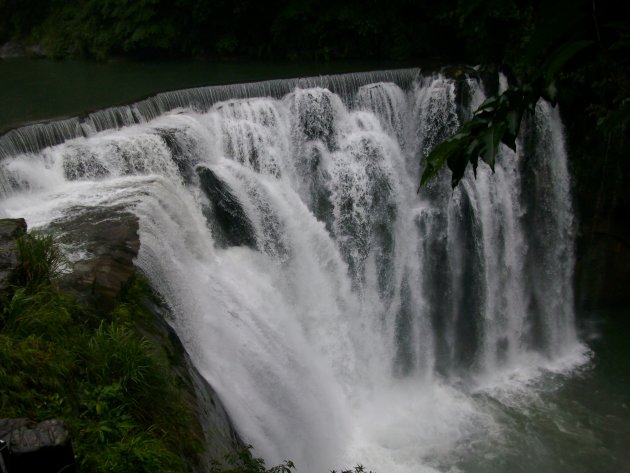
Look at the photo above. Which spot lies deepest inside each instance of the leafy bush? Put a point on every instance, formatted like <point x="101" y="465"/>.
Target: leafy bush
<point x="113" y="387"/>
<point x="116" y="352"/>
<point x="35" y="376"/>
<point x="114" y="440"/>
<point x="46" y="313"/>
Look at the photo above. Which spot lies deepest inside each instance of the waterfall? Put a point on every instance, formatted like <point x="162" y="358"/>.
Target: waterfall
<point x="341" y="315"/>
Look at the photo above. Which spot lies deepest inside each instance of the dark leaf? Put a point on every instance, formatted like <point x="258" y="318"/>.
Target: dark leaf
<point x="513" y="121"/>
<point x="438" y="156"/>
<point x="457" y="162"/>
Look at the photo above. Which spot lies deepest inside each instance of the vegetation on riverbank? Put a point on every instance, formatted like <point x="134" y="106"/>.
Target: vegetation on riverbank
<point x="107" y="376"/>
<point x="112" y="386"/>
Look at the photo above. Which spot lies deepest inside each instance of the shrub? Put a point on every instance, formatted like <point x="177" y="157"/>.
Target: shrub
<point x="41" y="261"/>
<point x="46" y="313"/>
<point x="113" y="387"/>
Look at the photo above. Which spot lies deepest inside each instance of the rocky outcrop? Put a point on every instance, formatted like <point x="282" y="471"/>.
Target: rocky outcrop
<point x="102" y="245"/>
<point x="232" y="227"/>
<point x="44" y="447"/>
<point x="10" y="231"/>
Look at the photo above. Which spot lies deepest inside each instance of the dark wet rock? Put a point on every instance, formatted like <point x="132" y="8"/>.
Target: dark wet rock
<point x="231" y="226"/>
<point x="180" y="154"/>
<point x="10" y="231"/>
<point x="43" y="447"/>
<point x="103" y="244"/>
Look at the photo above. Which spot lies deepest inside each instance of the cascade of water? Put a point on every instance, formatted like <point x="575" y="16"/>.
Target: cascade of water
<point x="335" y="311"/>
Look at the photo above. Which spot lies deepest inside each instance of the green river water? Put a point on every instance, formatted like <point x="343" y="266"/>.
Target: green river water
<point x="38" y="90"/>
<point x="574" y="423"/>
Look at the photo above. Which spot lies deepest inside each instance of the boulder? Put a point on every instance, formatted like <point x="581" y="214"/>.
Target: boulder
<point x="43" y="447"/>
<point x="231" y="225"/>
<point x="103" y="243"/>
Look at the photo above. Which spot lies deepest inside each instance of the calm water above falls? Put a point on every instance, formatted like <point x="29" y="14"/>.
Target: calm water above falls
<point x="33" y="90"/>
<point x="341" y="316"/>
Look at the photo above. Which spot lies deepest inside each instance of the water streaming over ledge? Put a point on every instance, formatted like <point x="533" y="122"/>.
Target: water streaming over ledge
<point x="340" y="315"/>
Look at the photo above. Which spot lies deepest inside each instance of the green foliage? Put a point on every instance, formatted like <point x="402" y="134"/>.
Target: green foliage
<point x="114" y="440"/>
<point x="518" y="33"/>
<point x="40" y="260"/>
<point x="549" y="54"/>
<point x="116" y="352"/>
<point x="34" y="375"/>
<point x="113" y="387"/>
<point x="323" y="29"/>
<point x="496" y="121"/>
<point x="19" y="17"/>
<point x="46" y="313"/>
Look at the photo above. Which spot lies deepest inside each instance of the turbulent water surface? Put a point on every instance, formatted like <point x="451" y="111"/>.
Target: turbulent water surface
<point x="342" y="316"/>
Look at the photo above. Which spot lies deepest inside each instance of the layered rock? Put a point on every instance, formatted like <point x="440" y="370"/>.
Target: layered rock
<point x="101" y="246"/>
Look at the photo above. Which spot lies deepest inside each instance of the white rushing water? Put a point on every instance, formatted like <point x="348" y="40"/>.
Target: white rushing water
<point x="341" y="316"/>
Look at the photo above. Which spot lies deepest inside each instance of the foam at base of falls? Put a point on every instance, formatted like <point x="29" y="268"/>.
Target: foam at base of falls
<point x="349" y="318"/>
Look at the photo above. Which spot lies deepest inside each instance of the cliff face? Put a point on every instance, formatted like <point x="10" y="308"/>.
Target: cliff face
<point x="102" y="246"/>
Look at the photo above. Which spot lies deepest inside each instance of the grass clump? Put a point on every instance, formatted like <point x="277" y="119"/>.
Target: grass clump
<point x="40" y="260"/>
<point x="113" y="387"/>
